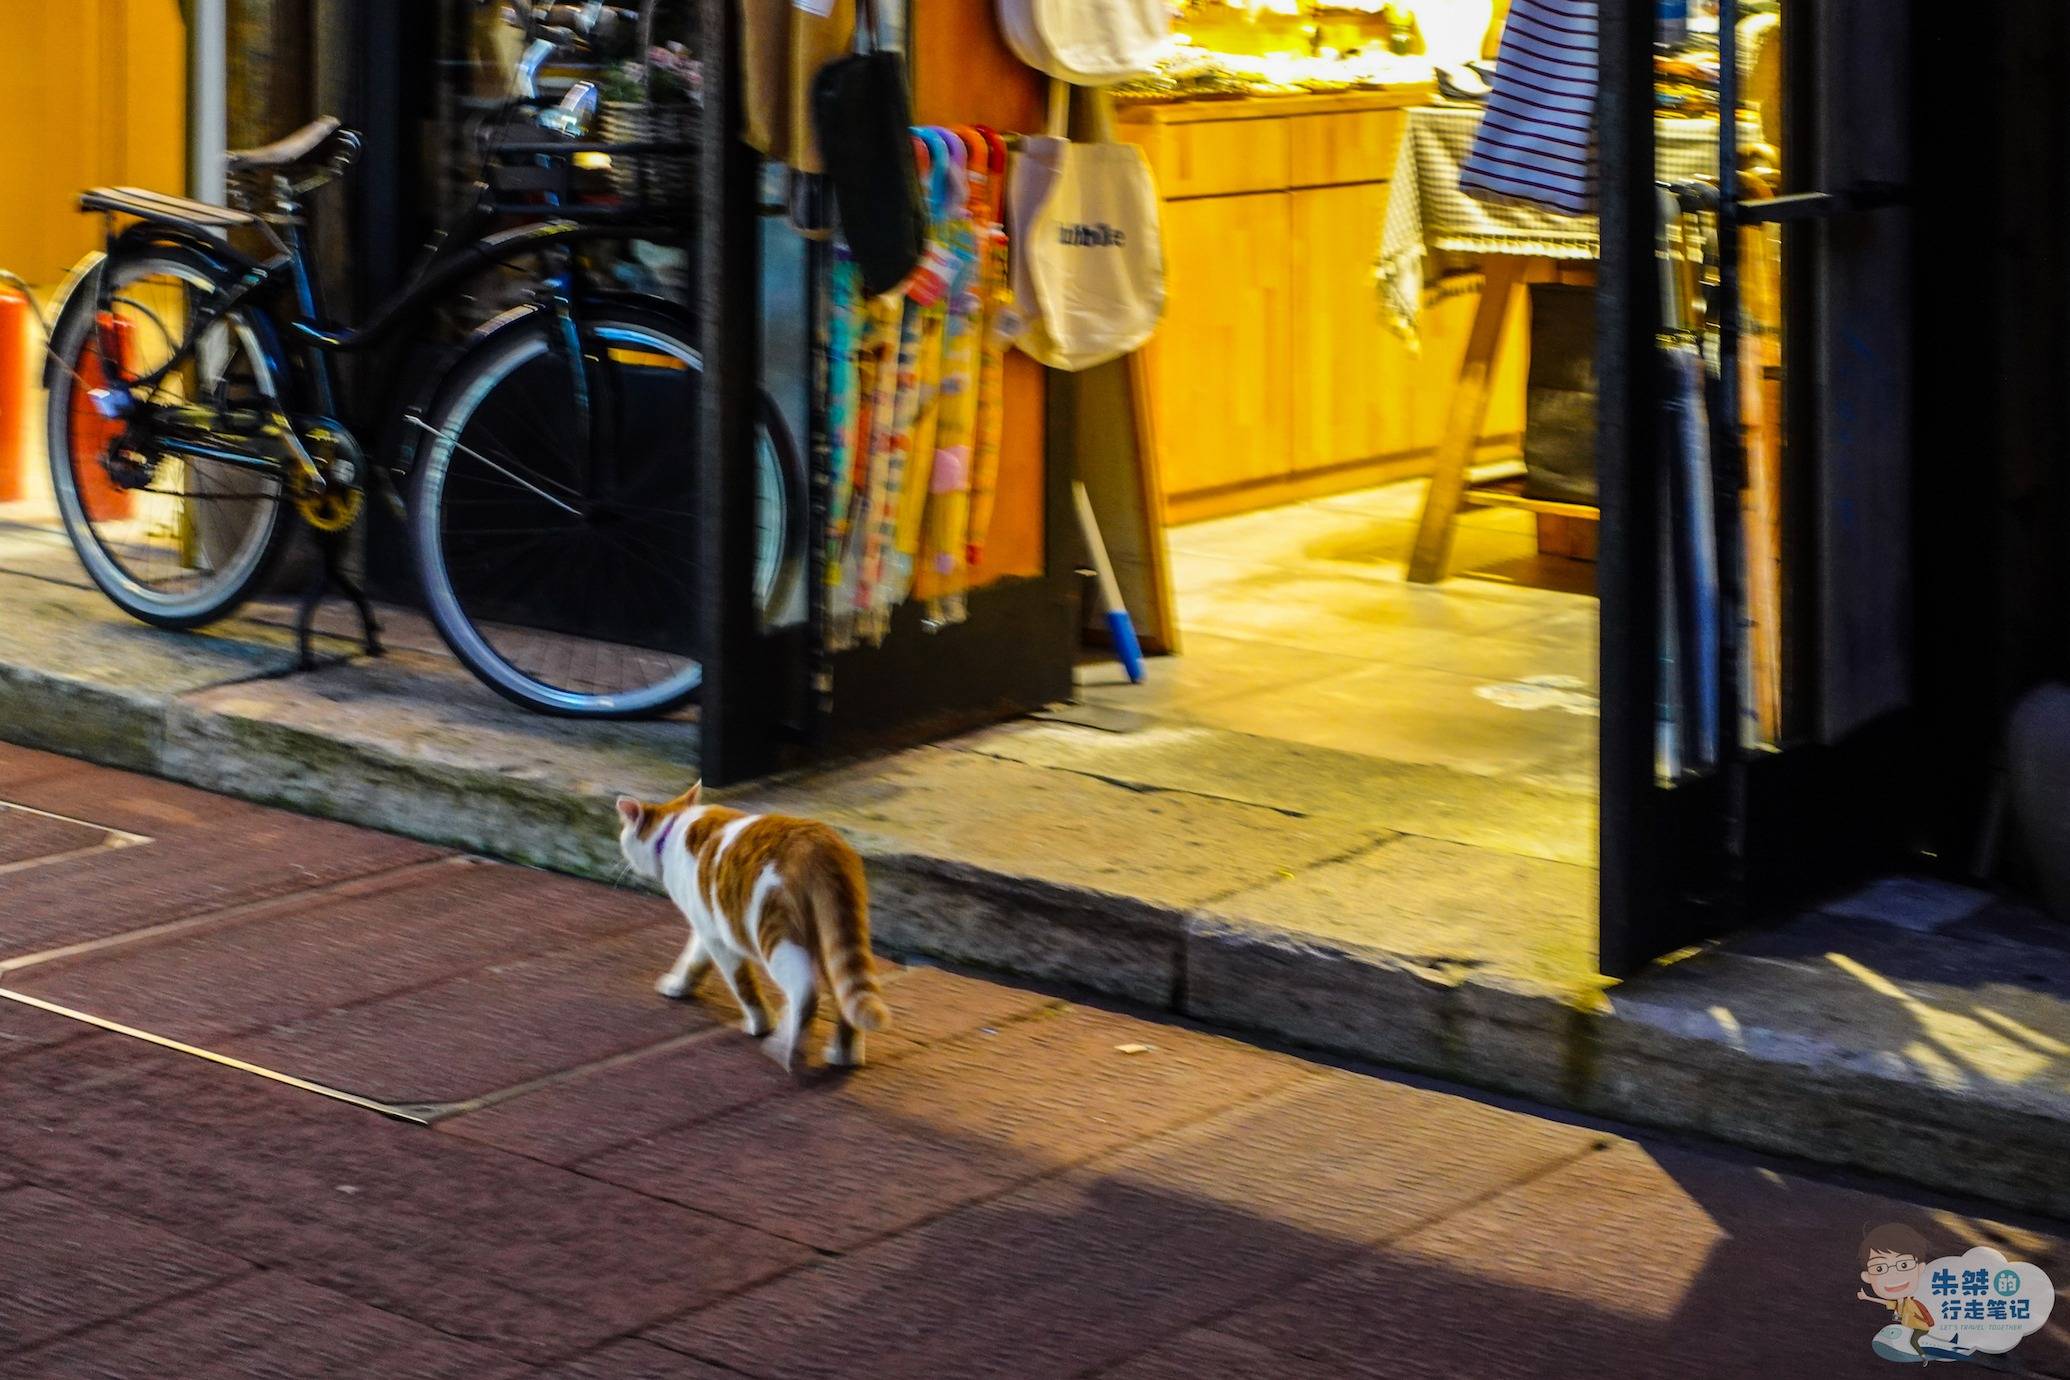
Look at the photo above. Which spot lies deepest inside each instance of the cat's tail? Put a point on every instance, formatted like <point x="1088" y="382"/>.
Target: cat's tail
<point x="841" y="918"/>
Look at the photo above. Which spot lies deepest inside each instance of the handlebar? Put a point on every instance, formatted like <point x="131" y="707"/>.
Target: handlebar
<point x="552" y="28"/>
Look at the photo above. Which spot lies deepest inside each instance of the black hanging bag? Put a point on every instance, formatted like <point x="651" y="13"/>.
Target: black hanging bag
<point x="865" y="121"/>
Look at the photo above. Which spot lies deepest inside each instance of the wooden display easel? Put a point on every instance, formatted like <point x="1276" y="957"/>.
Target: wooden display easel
<point x="1504" y="275"/>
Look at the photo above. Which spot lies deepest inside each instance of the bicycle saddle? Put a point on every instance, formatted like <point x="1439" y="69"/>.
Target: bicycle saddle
<point x="286" y="152"/>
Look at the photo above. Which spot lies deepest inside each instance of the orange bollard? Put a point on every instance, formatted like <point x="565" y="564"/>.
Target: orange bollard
<point x="103" y="499"/>
<point x="14" y="394"/>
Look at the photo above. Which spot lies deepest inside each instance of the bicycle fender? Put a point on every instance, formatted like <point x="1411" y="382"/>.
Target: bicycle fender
<point x="82" y="292"/>
<point x="158" y="234"/>
<point x="86" y="274"/>
<point x="88" y="267"/>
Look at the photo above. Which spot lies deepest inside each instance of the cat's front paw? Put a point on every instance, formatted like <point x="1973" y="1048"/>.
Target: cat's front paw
<point x="783" y="1049"/>
<point x="674" y="986"/>
<point x="755" y="1023"/>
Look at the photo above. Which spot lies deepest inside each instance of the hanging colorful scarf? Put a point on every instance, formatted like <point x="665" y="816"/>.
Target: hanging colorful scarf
<point x="1000" y="325"/>
<point x="948" y="529"/>
<point x="844" y="422"/>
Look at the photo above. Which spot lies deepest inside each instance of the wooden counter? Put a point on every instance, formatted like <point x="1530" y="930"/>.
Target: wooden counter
<point x="1273" y="376"/>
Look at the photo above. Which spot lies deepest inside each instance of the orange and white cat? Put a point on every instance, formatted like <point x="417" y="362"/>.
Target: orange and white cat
<point x="787" y="894"/>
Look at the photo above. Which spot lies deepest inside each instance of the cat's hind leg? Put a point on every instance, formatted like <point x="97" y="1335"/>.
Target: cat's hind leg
<point x="796" y="973"/>
<point x="845" y="1045"/>
<point x="690" y="965"/>
<point x="754" y="1017"/>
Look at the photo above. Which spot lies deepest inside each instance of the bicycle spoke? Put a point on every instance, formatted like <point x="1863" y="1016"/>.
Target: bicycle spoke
<point x="586" y="614"/>
<point x="183" y="545"/>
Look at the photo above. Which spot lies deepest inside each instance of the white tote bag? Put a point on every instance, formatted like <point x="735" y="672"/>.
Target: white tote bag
<point x="1087" y="42"/>
<point x="1088" y="262"/>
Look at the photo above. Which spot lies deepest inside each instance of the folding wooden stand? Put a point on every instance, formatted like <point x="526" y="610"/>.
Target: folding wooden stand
<point x="1504" y="276"/>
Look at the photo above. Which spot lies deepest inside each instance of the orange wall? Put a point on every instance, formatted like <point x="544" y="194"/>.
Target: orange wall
<point x="963" y="73"/>
<point x="104" y="85"/>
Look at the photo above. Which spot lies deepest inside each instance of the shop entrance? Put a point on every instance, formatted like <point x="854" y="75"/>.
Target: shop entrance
<point x="1374" y="417"/>
<point x="1367" y="421"/>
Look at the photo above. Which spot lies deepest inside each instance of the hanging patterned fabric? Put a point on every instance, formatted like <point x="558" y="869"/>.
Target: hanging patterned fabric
<point x="851" y="349"/>
<point x="900" y="397"/>
<point x="877" y="389"/>
<point x="845" y="322"/>
<point x="948" y="528"/>
<point x="914" y="405"/>
<point x="933" y="287"/>
<point x="997" y="330"/>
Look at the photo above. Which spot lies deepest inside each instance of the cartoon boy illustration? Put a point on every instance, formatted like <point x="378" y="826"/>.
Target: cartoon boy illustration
<point x="1893" y="1257"/>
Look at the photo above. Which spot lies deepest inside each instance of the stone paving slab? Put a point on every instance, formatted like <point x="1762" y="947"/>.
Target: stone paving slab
<point x="1406" y="797"/>
<point x="633" y="1359"/>
<point x="309" y="953"/>
<point x="257" y="858"/>
<point x="1093" y="1266"/>
<point x="480" y="1244"/>
<point x="29" y="837"/>
<point x="1446" y="906"/>
<point x="68" y="1265"/>
<point x="266" y="1325"/>
<point x="851" y="1160"/>
<point x="1067" y="829"/>
<point x="1205" y="1352"/>
<point x="129" y="801"/>
<point x="1635" y="1260"/>
<point x="20" y="764"/>
<point x="24" y="1029"/>
<point x="662" y="1092"/>
<point x="497" y="1027"/>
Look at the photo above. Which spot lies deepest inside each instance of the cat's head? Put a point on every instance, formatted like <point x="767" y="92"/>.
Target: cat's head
<point x="639" y="828"/>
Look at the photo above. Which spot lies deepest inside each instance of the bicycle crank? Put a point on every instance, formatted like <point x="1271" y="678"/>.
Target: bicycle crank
<point x="335" y="501"/>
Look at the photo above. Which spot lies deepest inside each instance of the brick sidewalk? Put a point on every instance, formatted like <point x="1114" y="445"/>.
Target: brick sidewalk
<point x="589" y="1181"/>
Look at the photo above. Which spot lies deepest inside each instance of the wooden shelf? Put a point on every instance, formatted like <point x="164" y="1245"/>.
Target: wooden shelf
<point x="1162" y="110"/>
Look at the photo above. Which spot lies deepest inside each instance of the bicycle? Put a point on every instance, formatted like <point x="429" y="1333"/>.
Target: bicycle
<point x="551" y="495"/>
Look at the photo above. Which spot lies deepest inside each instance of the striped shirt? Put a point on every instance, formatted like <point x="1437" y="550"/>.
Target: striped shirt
<point x="1536" y="144"/>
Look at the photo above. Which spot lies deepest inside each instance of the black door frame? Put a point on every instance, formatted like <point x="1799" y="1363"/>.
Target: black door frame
<point x="1646" y="833"/>
<point x="1685" y="863"/>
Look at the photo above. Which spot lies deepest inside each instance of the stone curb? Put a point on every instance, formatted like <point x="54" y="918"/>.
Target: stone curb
<point x="1621" y="1053"/>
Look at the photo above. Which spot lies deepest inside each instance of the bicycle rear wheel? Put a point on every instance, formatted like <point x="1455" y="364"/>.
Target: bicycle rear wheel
<point x="176" y="541"/>
<point x="558" y="561"/>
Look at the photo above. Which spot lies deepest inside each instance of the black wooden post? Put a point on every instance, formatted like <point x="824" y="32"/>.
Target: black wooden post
<point x="1627" y="469"/>
<point x="740" y="697"/>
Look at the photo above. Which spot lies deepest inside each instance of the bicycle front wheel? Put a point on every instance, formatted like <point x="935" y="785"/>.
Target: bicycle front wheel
<point x="554" y="515"/>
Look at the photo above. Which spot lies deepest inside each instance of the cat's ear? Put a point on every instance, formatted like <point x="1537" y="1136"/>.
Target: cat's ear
<point x="630" y="810"/>
<point x="694" y="794"/>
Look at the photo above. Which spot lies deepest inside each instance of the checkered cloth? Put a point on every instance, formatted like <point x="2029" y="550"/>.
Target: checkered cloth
<point x="1426" y="210"/>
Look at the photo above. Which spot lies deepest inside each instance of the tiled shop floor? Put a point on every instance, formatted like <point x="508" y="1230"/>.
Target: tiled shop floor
<point x="1299" y="624"/>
